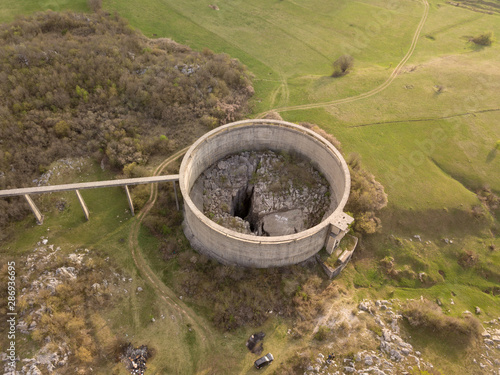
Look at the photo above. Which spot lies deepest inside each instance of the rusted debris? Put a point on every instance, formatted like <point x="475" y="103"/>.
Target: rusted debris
<point x="135" y="359"/>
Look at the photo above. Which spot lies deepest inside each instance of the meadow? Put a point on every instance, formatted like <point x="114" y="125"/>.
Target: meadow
<point x="429" y="137"/>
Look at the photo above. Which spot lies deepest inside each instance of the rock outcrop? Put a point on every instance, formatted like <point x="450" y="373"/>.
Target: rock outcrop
<point x="264" y="193"/>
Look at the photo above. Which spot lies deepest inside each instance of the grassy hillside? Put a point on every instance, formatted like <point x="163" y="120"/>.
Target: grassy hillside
<point x="290" y="46"/>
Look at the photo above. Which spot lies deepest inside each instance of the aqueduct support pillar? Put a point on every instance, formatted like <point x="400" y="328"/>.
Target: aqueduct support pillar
<point x="34" y="208"/>
<point x="82" y="203"/>
<point x="129" y="198"/>
<point x="176" y="200"/>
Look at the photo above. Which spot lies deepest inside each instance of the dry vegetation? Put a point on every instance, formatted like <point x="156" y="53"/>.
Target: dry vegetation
<point x="61" y="302"/>
<point x="80" y="85"/>
<point x="235" y="296"/>
<point x="367" y="196"/>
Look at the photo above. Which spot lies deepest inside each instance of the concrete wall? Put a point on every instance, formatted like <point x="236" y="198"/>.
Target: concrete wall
<point x="231" y="247"/>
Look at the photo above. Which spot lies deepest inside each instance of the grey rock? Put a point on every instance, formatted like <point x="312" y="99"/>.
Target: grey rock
<point x="251" y="185"/>
<point x="363" y="306"/>
<point x="283" y="223"/>
<point x="34" y="371"/>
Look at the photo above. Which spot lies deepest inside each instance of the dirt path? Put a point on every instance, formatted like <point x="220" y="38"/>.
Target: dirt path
<point x="172" y="303"/>
<point x="376" y="90"/>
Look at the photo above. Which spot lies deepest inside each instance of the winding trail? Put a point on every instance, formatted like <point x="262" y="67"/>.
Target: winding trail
<point x="169" y="298"/>
<point x="374" y="91"/>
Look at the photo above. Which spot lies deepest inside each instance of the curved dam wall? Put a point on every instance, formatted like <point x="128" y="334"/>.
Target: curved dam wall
<point x="230" y="247"/>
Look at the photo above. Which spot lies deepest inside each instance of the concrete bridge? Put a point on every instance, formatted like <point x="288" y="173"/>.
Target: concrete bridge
<point x="88" y="185"/>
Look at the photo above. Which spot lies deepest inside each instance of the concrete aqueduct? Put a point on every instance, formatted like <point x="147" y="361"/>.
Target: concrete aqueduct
<point x="225" y="245"/>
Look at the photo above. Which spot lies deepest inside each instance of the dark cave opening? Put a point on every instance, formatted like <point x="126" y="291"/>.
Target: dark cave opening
<point x="242" y="205"/>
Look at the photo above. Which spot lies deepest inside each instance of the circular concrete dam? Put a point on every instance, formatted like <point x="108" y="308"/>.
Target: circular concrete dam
<point x="230" y="247"/>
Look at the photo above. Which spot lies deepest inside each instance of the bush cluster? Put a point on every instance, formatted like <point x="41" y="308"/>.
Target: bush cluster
<point x="427" y="315"/>
<point x="342" y="65"/>
<point x="484" y="39"/>
<point x="88" y="84"/>
<point x="367" y="196"/>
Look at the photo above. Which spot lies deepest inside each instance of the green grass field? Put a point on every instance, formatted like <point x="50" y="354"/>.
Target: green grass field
<point x="429" y="137"/>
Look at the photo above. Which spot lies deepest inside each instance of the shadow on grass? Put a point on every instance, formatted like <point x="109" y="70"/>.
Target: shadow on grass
<point x="491" y="155"/>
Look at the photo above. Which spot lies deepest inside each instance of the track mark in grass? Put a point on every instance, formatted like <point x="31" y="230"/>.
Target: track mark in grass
<point x="427" y="118"/>
<point x="374" y="91"/>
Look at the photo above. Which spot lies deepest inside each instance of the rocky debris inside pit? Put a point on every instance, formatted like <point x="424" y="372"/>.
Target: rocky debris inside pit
<point x="265" y="193"/>
<point x="135" y="359"/>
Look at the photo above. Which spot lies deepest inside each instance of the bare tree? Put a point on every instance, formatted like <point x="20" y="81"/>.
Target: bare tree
<point x="342" y="65"/>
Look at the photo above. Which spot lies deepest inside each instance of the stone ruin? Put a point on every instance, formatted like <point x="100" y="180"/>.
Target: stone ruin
<point x="264" y="193"/>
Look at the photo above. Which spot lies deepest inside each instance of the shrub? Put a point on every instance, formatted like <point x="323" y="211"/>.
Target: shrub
<point x="322" y="333"/>
<point x="62" y="129"/>
<point x="140" y="195"/>
<point x="467" y="259"/>
<point x="484" y="39"/>
<point x="342" y="65"/>
<point x="367" y="196"/>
